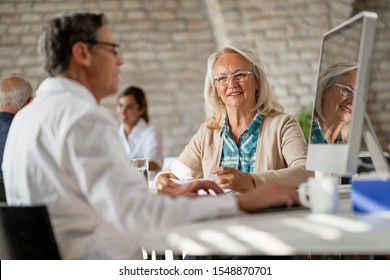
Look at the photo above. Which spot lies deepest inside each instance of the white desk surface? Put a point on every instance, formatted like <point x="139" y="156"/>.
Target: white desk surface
<point x="294" y="232"/>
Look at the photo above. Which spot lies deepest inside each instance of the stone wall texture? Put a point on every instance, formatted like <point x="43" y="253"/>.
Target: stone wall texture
<point x="165" y="45"/>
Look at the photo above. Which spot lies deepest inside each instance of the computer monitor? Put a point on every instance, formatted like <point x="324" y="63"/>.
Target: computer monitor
<point x="339" y="119"/>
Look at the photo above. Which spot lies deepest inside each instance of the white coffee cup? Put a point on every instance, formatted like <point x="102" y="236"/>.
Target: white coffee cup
<point x="142" y="165"/>
<point x="320" y="194"/>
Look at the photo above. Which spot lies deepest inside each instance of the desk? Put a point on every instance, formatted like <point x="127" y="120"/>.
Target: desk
<point x="294" y="232"/>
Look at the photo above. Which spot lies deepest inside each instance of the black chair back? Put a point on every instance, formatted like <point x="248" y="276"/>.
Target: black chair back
<point x="2" y="192"/>
<point x="26" y="233"/>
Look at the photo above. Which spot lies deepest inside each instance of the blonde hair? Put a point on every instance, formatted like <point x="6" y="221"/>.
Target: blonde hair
<point x="266" y="101"/>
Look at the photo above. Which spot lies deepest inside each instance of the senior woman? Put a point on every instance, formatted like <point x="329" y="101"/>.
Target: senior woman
<point x="246" y="140"/>
<point x="333" y="105"/>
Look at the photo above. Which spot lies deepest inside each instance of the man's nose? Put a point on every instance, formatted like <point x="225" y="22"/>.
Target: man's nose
<point x="120" y="60"/>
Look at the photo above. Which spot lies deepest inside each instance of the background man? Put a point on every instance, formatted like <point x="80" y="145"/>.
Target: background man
<point x="15" y="93"/>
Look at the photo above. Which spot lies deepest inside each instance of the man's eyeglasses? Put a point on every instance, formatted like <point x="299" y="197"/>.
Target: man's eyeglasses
<point x="346" y="90"/>
<point x="115" y="47"/>
<point x="238" y="77"/>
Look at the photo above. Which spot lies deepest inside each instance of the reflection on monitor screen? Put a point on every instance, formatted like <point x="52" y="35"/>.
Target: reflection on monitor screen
<point x="333" y="109"/>
<point x="339" y="106"/>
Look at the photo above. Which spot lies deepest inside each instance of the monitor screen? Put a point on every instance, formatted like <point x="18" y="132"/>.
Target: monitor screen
<point x="340" y="101"/>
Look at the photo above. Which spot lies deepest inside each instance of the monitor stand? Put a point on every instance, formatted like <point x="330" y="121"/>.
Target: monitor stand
<point x="374" y="148"/>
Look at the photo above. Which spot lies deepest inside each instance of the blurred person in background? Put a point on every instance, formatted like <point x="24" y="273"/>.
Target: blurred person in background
<point x="140" y="138"/>
<point x="15" y="93"/>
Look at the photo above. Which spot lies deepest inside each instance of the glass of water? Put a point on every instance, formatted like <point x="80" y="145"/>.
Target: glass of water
<point x="142" y="165"/>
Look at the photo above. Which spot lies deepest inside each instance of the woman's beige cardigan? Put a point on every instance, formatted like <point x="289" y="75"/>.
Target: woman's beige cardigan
<point x="280" y="154"/>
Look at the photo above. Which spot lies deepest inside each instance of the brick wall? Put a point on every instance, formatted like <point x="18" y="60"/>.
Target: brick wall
<point x="165" y="45"/>
<point x="378" y="105"/>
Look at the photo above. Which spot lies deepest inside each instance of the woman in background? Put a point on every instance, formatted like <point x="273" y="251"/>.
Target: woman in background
<point x="333" y="105"/>
<point x="140" y="138"/>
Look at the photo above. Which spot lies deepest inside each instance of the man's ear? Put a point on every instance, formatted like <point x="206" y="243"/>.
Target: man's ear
<point x="81" y="54"/>
<point x="28" y="101"/>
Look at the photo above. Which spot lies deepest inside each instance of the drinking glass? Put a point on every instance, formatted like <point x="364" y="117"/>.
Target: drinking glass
<point x="142" y="165"/>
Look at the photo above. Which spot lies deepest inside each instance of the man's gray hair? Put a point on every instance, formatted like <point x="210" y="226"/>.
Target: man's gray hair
<point x="61" y="33"/>
<point x="15" y="90"/>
